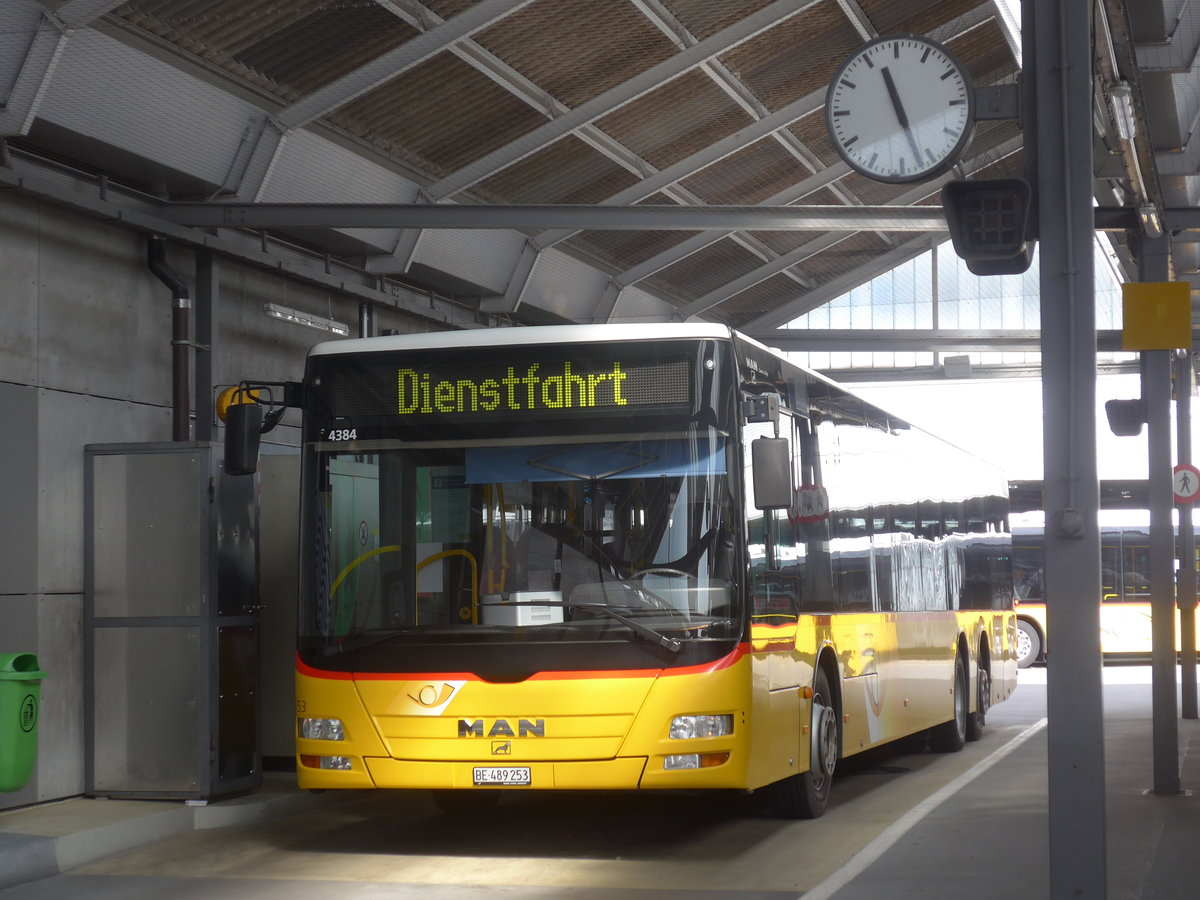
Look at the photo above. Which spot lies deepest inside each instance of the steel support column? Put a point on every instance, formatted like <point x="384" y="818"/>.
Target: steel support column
<point x="1056" y="39"/>
<point x="1156" y="392"/>
<point x="1186" y="587"/>
<point x="1153" y="266"/>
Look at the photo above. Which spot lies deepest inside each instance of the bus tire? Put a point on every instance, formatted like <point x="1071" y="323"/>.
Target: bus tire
<point x="983" y="701"/>
<point x="1029" y="644"/>
<point x="806" y="795"/>
<point x="949" y="737"/>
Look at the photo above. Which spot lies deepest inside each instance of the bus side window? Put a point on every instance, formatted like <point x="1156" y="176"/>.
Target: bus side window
<point x="777" y="547"/>
<point x="777" y="588"/>
<point x="1028" y="571"/>
<point x="1110" y="572"/>
<point x="1136" y="577"/>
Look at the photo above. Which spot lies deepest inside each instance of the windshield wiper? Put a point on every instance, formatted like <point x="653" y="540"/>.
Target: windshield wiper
<point x="672" y="644"/>
<point x="668" y="643"/>
<point x="645" y="631"/>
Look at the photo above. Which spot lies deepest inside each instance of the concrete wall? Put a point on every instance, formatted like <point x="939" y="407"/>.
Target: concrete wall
<point x="85" y="358"/>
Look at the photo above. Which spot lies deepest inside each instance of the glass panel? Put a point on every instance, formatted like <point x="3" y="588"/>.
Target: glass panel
<point x="488" y="543"/>
<point x="149" y="537"/>
<point x="148" y="700"/>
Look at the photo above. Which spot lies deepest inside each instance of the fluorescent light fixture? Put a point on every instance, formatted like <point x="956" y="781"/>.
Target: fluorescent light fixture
<point x="321" y="323"/>
<point x="1151" y="222"/>
<point x="1121" y="100"/>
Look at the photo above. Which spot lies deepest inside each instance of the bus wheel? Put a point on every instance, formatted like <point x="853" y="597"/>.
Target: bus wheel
<point x="466" y="802"/>
<point x="949" y="737"/>
<point x="983" y="702"/>
<point x="1029" y="645"/>
<point x="805" y="796"/>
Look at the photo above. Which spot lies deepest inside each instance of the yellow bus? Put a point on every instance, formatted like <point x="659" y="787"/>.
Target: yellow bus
<point x="615" y="557"/>
<point x="1125" y="620"/>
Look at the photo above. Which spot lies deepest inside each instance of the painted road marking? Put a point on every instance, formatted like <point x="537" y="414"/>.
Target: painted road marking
<point x="890" y="835"/>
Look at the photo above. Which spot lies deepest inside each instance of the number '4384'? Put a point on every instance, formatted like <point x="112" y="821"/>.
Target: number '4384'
<point x="343" y="434"/>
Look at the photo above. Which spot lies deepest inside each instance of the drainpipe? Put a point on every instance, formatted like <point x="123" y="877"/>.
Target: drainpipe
<point x="180" y="304"/>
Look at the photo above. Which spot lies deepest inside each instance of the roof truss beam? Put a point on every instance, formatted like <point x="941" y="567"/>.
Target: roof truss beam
<point x="496" y="69"/>
<point x="836" y="287"/>
<point x="37" y="69"/>
<point x="102" y="201"/>
<point x="780" y="264"/>
<point x="386" y="67"/>
<point x="717" y="72"/>
<point x="77" y="13"/>
<point x="766" y="126"/>
<point x="714" y="153"/>
<point x="908" y="340"/>
<point x="273" y="130"/>
<point x="615" y="98"/>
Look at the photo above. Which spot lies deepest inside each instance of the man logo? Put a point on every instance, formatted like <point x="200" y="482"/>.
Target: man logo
<point x="501" y="748"/>
<point x="501" y="728"/>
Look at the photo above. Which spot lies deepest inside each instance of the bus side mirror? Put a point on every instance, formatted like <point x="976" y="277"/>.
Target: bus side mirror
<point x="243" y="431"/>
<point x="771" y="461"/>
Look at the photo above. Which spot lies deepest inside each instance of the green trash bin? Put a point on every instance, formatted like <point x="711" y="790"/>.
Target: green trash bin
<point x="20" y="697"/>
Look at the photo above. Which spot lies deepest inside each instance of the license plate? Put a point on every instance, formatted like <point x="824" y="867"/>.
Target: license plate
<point x="502" y="775"/>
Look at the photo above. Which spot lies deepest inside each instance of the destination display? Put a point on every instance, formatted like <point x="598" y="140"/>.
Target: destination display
<point x="512" y="390"/>
<point x="532" y="389"/>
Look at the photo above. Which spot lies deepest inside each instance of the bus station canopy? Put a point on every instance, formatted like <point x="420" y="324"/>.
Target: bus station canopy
<point x="677" y="149"/>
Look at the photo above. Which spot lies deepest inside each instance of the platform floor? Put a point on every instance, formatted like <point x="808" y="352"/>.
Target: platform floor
<point x="971" y="825"/>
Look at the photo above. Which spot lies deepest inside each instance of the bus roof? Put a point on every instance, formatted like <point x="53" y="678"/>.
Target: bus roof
<point x="522" y="335"/>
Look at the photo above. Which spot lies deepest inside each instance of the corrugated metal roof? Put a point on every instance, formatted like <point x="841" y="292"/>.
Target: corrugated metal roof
<point x="287" y="49"/>
<point x="716" y="102"/>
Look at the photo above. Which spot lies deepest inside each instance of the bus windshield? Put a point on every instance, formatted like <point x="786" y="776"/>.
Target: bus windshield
<point x="623" y="540"/>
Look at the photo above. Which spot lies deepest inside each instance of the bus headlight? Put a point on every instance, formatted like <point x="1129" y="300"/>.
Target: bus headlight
<point x="322" y="729"/>
<point x="685" y="727"/>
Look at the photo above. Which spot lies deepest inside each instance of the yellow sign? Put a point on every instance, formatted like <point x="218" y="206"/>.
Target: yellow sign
<point x="528" y="390"/>
<point x="1157" y="315"/>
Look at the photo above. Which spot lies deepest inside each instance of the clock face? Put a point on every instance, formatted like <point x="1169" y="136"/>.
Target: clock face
<point x="900" y="109"/>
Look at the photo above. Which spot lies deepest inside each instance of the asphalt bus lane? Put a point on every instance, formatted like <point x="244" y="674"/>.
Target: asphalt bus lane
<point x="576" y="845"/>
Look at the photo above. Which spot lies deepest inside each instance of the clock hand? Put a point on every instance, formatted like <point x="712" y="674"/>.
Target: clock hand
<point x="900" y="116"/>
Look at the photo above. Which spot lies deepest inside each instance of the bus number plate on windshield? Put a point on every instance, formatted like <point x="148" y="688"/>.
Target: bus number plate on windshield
<point x="502" y="774"/>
